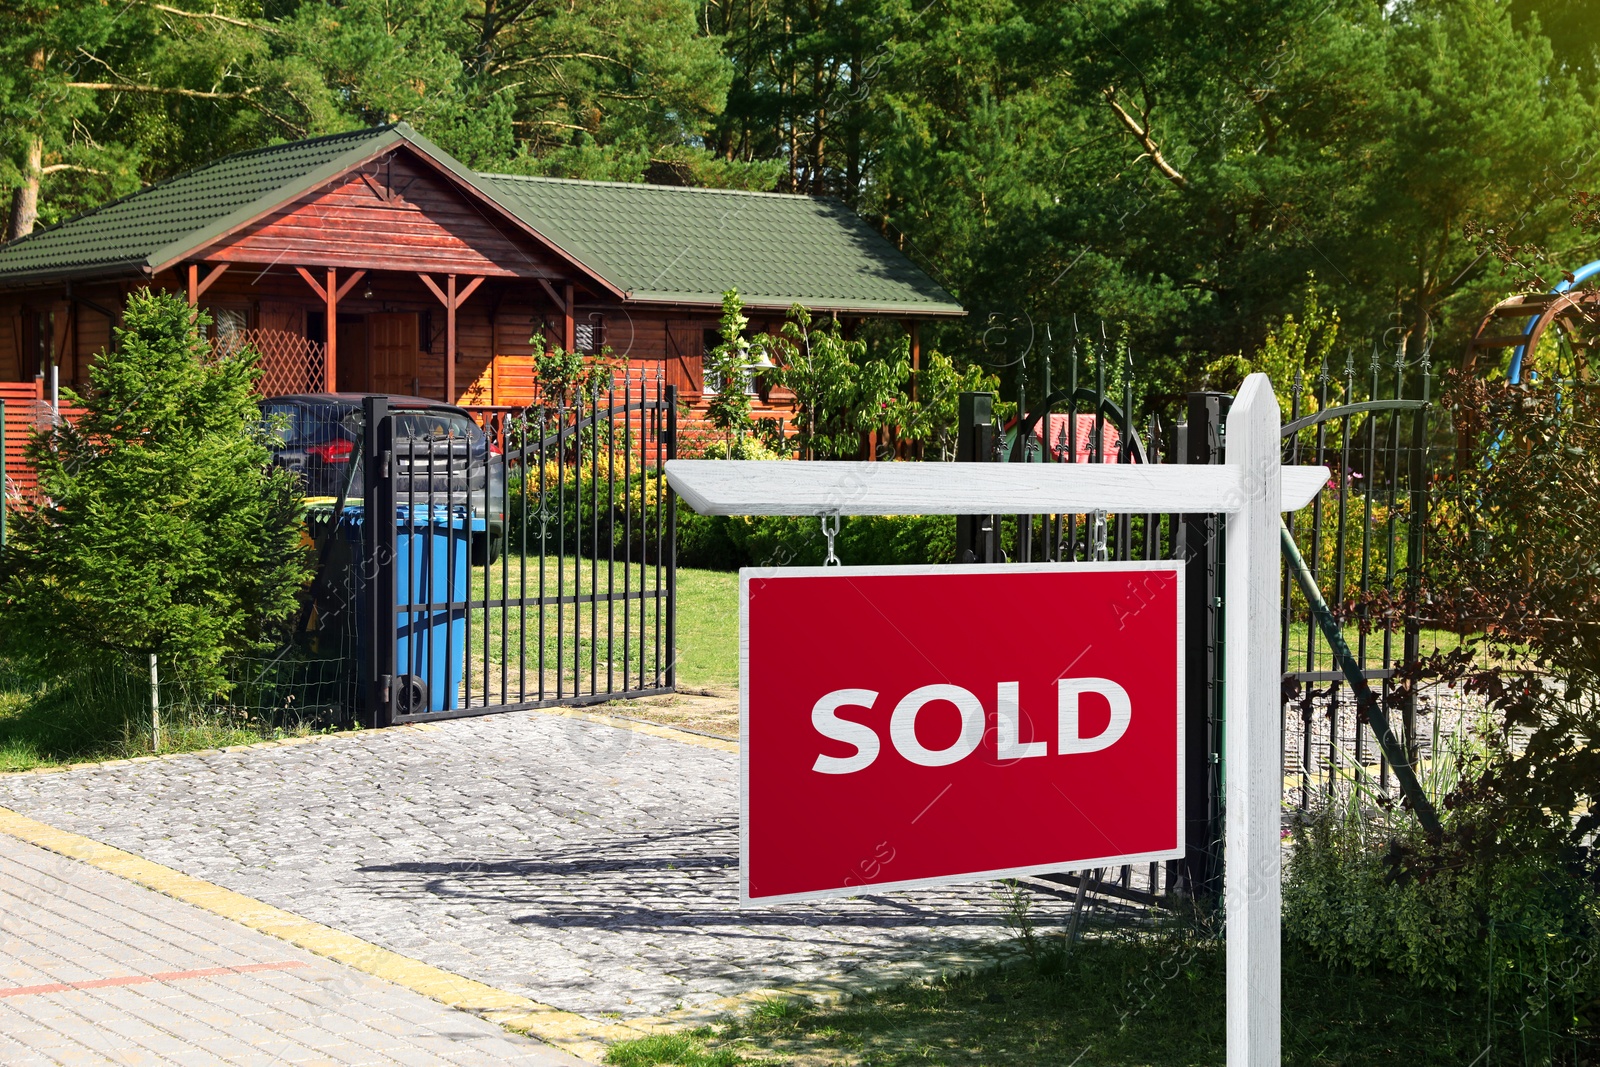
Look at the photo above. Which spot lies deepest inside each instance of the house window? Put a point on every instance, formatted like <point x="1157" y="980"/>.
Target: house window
<point x="713" y="381"/>
<point x="228" y="326"/>
<point x="589" y="336"/>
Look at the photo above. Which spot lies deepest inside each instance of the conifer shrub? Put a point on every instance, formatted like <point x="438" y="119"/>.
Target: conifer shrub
<point x="159" y="526"/>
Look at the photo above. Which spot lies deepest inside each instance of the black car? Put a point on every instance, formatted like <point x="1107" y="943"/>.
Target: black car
<point x="440" y="456"/>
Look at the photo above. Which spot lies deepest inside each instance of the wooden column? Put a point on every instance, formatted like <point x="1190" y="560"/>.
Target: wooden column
<point x="452" y="299"/>
<point x="916" y="354"/>
<point x="570" y="331"/>
<point x="450" y="340"/>
<point x="330" y="295"/>
<point x="199" y="285"/>
<point x="330" y="347"/>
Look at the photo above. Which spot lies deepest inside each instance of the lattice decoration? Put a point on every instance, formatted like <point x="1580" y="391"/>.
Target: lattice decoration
<point x="290" y="363"/>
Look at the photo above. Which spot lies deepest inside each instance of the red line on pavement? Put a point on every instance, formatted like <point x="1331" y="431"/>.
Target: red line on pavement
<point x="140" y="979"/>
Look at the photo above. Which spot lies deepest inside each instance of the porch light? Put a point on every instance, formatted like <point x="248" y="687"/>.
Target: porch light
<point x="366" y="294"/>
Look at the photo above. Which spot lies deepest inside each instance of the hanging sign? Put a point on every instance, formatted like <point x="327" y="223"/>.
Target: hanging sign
<point x="905" y="726"/>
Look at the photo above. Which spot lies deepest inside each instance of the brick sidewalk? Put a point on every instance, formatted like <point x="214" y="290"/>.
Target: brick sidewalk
<point x="95" y="969"/>
<point x="581" y="865"/>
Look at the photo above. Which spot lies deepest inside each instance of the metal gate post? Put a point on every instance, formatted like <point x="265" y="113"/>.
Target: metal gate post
<point x="1202" y="551"/>
<point x="976" y="535"/>
<point x="671" y="412"/>
<point x="1416" y="533"/>
<point x="378" y="560"/>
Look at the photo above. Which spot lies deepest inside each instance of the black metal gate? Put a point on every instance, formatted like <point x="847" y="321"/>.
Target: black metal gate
<point x="1084" y="423"/>
<point x="1364" y="537"/>
<point x="522" y="563"/>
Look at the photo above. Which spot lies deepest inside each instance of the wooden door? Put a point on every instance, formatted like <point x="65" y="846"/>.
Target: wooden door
<point x="279" y="317"/>
<point x="392" y="339"/>
<point x="353" y="368"/>
<point x="685" y="352"/>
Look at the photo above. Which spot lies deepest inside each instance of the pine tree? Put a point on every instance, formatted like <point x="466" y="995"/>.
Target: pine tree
<point x="159" y="527"/>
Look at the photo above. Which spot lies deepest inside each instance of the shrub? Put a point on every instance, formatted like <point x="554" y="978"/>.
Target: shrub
<point x="159" y="527"/>
<point x="1504" y="901"/>
<point x="1521" y="930"/>
<point x="728" y="542"/>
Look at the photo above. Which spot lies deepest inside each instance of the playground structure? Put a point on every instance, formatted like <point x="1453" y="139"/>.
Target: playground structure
<point x="1571" y="307"/>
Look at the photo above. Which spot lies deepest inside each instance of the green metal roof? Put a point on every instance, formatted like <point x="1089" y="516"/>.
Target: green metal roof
<point x="649" y="242"/>
<point x="151" y="228"/>
<point x="680" y="245"/>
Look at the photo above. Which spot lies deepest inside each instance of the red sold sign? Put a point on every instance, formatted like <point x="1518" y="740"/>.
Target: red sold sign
<point x="906" y="726"/>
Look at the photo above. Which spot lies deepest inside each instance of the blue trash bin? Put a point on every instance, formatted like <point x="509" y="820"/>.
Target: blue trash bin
<point x="433" y="547"/>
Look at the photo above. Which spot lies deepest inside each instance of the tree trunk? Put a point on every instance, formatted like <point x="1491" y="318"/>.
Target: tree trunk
<point x="25" y="198"/>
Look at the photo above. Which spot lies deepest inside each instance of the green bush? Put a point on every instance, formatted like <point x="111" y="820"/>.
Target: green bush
<point x="1503" y="902"/>
<point x="728" y="542"/>
<point x="1520" y="930"/>
<point x="580" y="511"/>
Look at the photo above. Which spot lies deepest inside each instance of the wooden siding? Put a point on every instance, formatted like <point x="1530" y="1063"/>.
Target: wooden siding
<point x="10" y="345"/>
<point x="25" y="413"/>
<point x="396" y="212"/>
<point x="494" y="359"/>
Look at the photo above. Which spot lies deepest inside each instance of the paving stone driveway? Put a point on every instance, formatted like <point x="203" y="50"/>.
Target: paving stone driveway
<point x="586" y="866"/>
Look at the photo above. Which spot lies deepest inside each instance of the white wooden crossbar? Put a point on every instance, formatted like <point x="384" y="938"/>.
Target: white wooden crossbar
<point x="785" y="487"/>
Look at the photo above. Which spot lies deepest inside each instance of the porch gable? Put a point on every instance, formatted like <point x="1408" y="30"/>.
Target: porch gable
<point x="396" y="209"/>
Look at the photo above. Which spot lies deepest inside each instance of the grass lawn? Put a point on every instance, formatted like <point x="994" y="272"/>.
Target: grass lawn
<point x="708" y="629"/>
<point x="1115" y="1002"/>
<point x="107" y="716"/>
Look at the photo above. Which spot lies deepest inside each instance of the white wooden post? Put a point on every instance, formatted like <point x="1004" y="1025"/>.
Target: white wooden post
<point x="155" y="706"/>
<point x="1253" y="756"/>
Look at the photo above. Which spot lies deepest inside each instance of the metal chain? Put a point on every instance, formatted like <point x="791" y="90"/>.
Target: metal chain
<point x="1097" y="537"/>
<point x="830" y="532"/>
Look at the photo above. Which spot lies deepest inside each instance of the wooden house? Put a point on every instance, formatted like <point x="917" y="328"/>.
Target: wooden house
<point x="372" y="261"/>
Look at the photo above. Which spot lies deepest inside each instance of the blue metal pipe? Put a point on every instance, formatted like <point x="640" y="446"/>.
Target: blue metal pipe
<point x="1579" y="276"/>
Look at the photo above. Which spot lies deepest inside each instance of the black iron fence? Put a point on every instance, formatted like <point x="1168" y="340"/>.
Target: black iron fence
<point x="1363" y="536"/>
<point x="1364" y="541"/>
<point x="487" y="559"/>
<point x="572" y="600"/>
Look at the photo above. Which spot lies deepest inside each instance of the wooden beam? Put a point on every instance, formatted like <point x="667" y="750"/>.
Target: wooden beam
<point x="330" y="362"/>
<point x="205" y="283"/>
<point x="322" y="294"/>
<point x="859" y="487"/>
<point x="550" y="291"/>
<point x="450" y="341"/>
<point x="472" y="287"/>
<point x="434" y="287"/>
<point x="349" y="284"/>
<point x="194" y="285"/>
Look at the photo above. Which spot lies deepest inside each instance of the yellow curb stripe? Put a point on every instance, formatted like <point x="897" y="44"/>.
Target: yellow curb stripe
<point x="566" y="1030"/>
<point x="638" y="727"/>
